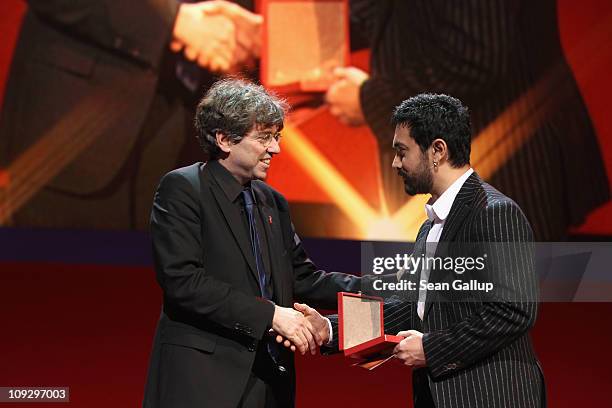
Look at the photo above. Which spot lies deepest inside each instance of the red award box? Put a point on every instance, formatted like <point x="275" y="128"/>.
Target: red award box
<point x="361" y="332"/>
<point x="303" y="41"/>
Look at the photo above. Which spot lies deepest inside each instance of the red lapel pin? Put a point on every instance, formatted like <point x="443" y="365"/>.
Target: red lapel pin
<point x="270" y="219"/>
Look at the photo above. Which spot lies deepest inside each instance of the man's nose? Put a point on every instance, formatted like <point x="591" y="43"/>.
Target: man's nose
<point x="397" y="163"/>
<point x="274" y="147"/>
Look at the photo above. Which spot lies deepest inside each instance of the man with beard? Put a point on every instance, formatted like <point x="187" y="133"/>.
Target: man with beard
<point x="472" y="352"/>
<point x="468" y="349"/>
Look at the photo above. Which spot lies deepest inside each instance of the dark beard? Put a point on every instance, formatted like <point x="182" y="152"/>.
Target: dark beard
<point x="420" y="183"/>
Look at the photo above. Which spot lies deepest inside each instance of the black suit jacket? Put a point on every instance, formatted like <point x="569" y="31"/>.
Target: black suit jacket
<point x="90" y="67"/>
<point x="213" y="319"/>
<point x="476" y="344"/>
<point x="97" y="70"/>
<point x="67" y="51"/>
<point x="489" y="54"/>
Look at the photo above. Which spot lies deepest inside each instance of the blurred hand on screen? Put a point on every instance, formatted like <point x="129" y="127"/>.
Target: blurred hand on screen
<point x="218" y="35"/>
<point x="248" y="28"/>
<point x="343" y="95"/>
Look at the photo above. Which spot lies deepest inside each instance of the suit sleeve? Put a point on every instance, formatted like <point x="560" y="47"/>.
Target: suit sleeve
<point x="510" y="312"/>
<point x="186" y="285"/>
<point x="314" y="286"/>
<point x="139" y="30"/>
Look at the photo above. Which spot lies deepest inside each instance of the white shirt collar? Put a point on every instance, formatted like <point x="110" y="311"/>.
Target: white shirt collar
<point x="438" y="211"/>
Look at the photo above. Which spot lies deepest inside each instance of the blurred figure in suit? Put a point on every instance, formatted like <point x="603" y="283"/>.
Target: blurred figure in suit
<point x="489" y="54"/>
<point x="123" y="76"/>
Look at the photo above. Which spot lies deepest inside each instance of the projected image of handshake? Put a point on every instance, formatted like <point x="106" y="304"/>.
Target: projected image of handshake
<point x="218" y="35"/>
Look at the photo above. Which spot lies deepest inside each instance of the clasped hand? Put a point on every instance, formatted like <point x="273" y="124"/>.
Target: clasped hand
<point x="410" y="350"/>
<point x="302" y="328"/>
<point x="343" y="95"/>
<point x="218" y="35"/>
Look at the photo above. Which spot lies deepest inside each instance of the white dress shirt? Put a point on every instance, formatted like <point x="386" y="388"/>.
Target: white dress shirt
<point x="437" y="212"/>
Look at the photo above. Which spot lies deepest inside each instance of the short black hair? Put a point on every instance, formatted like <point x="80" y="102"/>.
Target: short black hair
<point x="431" y="116"/>
<point x="232" y="106"/>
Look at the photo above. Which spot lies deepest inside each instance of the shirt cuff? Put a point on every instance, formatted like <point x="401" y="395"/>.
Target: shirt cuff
<point x="331" y="332"/>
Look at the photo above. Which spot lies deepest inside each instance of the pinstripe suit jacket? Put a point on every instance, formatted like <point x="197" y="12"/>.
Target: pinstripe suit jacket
<point x="477" y="345"/>
<point x="489" y="54"/>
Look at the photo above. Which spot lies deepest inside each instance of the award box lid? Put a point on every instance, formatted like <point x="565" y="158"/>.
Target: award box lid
<point x="361" y="326"/>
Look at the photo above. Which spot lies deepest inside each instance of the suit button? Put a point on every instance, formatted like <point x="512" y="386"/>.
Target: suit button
<point x="252" y="347"/>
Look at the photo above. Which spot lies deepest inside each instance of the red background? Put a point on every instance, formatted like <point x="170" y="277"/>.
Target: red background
<point x="90" y="327"/>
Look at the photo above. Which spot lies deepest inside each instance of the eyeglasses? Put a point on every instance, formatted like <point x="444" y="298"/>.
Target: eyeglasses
<point x="266" y="138"/>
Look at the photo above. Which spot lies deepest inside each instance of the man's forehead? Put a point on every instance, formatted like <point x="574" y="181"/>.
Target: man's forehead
<point x="264" y="127"/>
<point x="402" y="136"/>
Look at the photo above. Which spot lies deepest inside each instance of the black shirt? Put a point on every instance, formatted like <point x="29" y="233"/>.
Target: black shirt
<point x="233" y="189"/>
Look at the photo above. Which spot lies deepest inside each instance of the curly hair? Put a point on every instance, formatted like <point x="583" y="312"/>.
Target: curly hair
<point x="431" y="116"/>
<point x="233" y="107"/>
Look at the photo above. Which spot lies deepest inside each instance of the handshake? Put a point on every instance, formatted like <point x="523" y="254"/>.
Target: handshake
<point x="218" y="35"/>
<point x="302" y="328"/>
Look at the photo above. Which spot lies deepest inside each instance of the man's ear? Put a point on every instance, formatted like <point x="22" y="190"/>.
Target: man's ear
<point x="224" y="142"/>
<point x="440" y="150"/>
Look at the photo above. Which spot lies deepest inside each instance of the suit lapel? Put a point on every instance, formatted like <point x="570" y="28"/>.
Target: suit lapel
<point x="419" y="249"/>
<point x="421" y="241"/>
<point x="460" y="209"/>
<point x="233" y="218"/>
<point x="456" y="218"/>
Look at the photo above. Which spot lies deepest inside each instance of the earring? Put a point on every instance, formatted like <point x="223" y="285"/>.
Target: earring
<point x="435" y="165"/>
